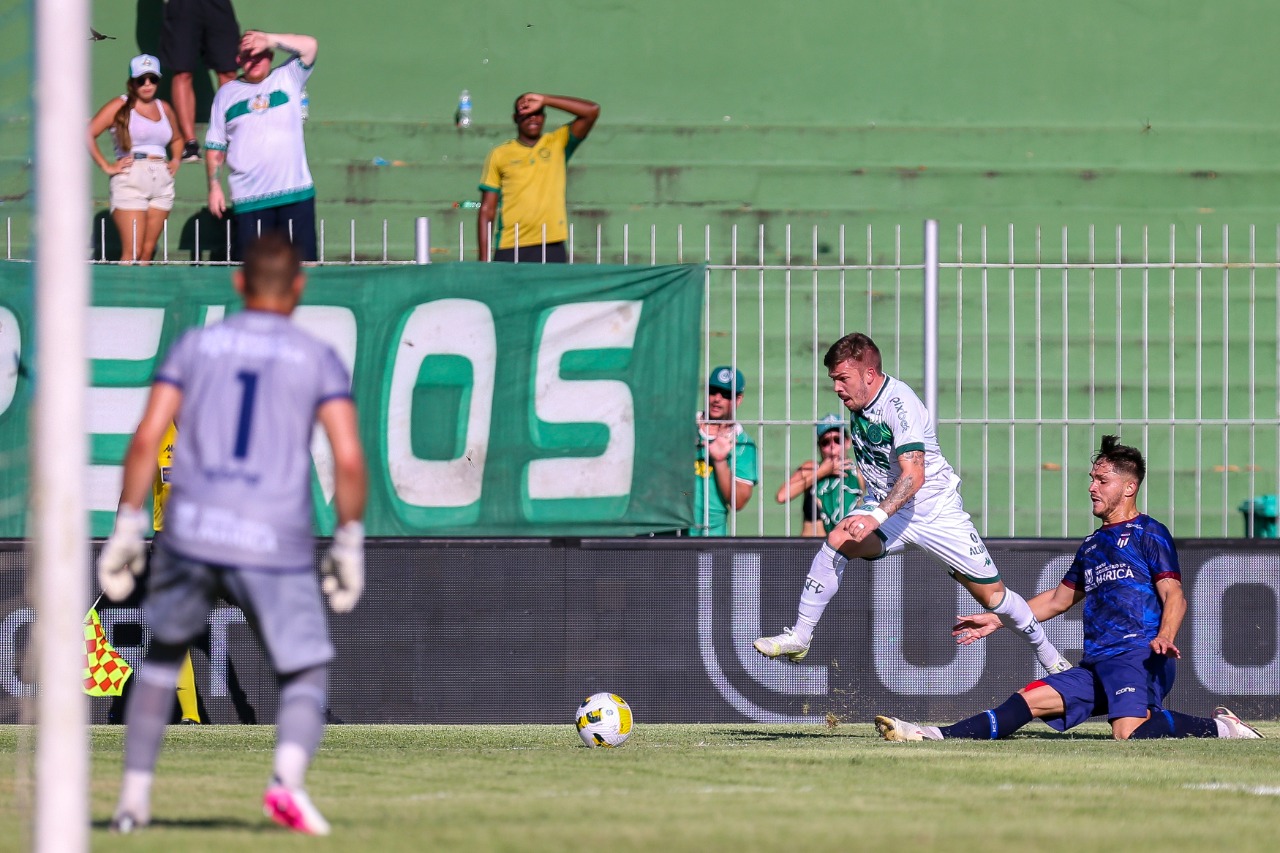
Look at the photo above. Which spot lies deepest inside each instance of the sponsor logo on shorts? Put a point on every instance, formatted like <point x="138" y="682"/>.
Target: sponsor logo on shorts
<point x="1126" y="690"/>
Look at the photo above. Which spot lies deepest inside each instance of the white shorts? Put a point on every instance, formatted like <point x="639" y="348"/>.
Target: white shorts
<point x="949" y="536"/>
<point x="146" y="184"/>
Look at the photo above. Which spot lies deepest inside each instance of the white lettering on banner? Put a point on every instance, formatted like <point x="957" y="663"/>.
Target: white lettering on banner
<point x="119" y="334"/>
<point x="889" y="625"/>
<point x="110" y="617"/>
<point x="790" y="680"/>
<point x="1213" y="669"/>
<point x="124" y="334"/>
<point x="10" y="680"/>
<point x="1065" y="631"/>
<point x="585" y="326"/>
<point x="337" y="327"/>
<point x="220" y="620"/>
<point x="461" y="327"/>
<point x="10" y="357"/>
<point x="711" y="661"/>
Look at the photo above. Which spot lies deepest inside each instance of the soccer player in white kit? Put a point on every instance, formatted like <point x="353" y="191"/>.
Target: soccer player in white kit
<point x="248" y="392"/>
<point x="916" y="500"/>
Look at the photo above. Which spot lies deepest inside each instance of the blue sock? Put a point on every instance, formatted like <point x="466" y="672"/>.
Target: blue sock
<point x="994" y="724"/>
<point x="1173" y="724"/>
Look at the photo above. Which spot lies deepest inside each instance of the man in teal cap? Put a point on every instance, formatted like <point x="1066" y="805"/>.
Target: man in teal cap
<point x="727" y="470"/>
<point x="832" y="487"/>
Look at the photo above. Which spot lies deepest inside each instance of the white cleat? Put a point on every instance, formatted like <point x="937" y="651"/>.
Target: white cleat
<point x="1236" y="727"/>
<point x="123" y="823"/>
<point x="899" y="731"/>
<point x="785" y="645"/>
<point x="292" y="808"/>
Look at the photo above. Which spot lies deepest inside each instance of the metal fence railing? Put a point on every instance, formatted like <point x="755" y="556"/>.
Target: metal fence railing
<point x="1044" y="340"/>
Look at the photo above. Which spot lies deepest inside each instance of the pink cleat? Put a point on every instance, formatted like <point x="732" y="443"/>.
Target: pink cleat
<point x="293" y="810"/>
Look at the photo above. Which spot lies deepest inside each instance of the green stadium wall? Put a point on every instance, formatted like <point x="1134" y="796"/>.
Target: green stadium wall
<point x="714" y="113"/>
<point x="988" y="114"/>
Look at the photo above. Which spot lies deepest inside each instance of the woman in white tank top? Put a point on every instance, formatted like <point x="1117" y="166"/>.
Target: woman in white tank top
<point x="143" y="128"/>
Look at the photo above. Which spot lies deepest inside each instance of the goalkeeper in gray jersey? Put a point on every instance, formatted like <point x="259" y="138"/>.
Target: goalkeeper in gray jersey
<point x="248" y="392"/>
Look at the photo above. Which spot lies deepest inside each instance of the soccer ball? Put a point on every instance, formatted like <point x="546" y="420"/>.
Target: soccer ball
<point x="604" y="719"/>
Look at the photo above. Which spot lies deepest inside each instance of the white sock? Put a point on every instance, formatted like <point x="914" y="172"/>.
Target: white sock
<point x="135" y="795"/>
<point x="1015" y="614"/>
<point x="291" y="762"/>
<point x="819" y="588"/>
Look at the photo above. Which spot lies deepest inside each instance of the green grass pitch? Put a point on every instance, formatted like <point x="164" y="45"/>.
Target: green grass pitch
<point x="670" y="788"/>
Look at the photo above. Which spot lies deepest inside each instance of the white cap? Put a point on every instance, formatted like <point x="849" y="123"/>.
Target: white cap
<point x="144" y="63"/>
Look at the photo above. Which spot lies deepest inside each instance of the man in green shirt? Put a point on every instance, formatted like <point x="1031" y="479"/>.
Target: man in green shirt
<point x="726" y="470"/>
<point x="831" y="488"/>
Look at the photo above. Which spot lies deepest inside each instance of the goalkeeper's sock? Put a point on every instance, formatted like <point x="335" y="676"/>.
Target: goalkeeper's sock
<point x="1015" y="614"/>
<point x="299" y="723"/>
<point x="188" y="703"/>
<point x="135" y="796"/>
<point x="819" y="588"/>
<point x="994" y="724"/>
<point x="1171" y="724"/>
<point x="150" y="704"/>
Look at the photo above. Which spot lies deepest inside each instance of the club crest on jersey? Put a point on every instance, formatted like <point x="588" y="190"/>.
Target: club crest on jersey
<point x="873" y="431"/>
<point x="1123" y="540"/>
<point x="259" y="103"/>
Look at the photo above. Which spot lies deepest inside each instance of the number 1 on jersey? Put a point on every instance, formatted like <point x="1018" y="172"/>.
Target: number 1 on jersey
<point x="248" y="390"/>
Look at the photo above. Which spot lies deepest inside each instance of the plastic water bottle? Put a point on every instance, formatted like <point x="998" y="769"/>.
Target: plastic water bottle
<point x="305" y="103"/>
<point x="463" y="117"/>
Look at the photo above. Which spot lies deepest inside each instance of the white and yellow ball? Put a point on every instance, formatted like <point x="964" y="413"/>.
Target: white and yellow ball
<point x="604" y="719"/>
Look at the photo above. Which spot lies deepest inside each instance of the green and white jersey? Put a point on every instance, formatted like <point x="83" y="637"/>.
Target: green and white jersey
<point x="710" y="513"/>
<point x="259" y="126"/>
<point x="894" y="423"/>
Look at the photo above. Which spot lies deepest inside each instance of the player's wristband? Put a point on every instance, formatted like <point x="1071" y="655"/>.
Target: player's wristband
<point x="879" y="515"/>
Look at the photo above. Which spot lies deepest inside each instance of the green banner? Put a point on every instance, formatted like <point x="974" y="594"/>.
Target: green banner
<point x="495" y="400"/>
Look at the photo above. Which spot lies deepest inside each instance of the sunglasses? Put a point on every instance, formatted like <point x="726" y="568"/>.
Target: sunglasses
<point x="719" y="392"/>
<point x="146" y="79"/>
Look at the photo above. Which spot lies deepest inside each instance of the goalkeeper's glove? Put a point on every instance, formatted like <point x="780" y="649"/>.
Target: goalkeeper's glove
<point x="343" y="567"/>
<point x="122" y="557"/>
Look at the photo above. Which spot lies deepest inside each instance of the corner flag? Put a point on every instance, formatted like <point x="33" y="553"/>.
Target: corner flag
<point x="105" y="672"/>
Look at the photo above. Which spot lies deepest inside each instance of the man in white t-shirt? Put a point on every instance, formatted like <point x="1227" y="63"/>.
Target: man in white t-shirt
<point x="916" y="500"/>
<point x="255" y="127"/>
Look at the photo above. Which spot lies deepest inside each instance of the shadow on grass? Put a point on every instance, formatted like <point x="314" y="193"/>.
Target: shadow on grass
<point x="1049" y="734"/>
<point x="752" y="735"/>
<point x="1037" y="734"/>
<point x="202" y="823"/>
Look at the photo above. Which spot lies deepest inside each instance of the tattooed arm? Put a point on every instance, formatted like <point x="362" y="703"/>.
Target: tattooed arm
<point x="908" y="484"/>
<point x="859" y="525"/>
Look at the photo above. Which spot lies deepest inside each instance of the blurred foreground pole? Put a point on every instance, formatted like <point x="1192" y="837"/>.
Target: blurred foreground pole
<point x="57" y="437"/>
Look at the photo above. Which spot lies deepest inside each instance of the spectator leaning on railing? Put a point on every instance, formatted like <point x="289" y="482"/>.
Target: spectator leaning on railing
<point x="832" y="487"/>
<point x="726" y="470"/>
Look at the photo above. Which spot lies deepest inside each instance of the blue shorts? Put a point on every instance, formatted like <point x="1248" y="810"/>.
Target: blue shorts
<point x="1127" y="685"/>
